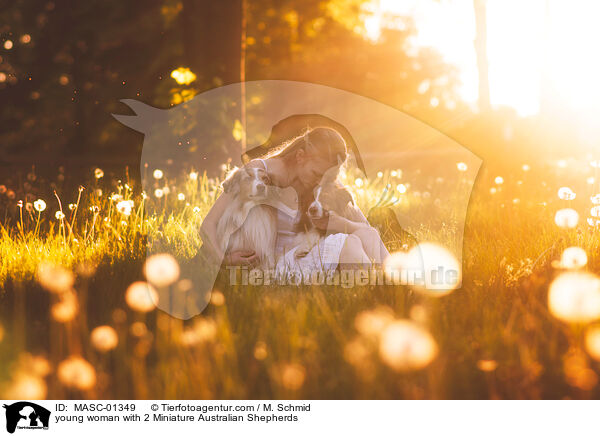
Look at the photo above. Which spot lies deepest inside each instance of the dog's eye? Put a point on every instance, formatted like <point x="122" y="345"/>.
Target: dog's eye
<point x="265" y="179"/>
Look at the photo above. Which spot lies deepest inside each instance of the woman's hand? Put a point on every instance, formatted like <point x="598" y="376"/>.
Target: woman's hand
<point x="242" y="258"/>
<point x="337" y="223"/>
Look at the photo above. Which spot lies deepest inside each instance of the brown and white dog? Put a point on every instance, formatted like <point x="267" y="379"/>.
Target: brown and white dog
<point x="248" y="223"/>
<point x="328" y="196"/>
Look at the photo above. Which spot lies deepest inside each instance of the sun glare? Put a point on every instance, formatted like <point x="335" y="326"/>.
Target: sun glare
<point x="539" y="52"/>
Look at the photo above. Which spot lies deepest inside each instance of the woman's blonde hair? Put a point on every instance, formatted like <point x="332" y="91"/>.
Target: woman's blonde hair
<point x="324" y="142"/>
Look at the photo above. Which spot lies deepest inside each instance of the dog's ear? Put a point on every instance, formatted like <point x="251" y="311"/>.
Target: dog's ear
<point x="346" y="196"/>
<point x="231" y="185"/>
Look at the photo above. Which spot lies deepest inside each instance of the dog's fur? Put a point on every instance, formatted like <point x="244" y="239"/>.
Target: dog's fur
<point x="328" y="196"/>
<point x="248" y="223"/>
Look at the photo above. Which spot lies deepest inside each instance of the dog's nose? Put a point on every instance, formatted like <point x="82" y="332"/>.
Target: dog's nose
<point x="312" y="210"/>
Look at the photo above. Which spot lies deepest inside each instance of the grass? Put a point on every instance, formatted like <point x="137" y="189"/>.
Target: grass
<point x="495" y="337"/>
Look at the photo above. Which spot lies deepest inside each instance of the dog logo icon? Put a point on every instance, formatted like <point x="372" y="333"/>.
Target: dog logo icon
<point x="26" y="415"/>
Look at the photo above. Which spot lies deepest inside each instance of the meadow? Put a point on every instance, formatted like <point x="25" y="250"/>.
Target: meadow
<point x="76" y="320"/>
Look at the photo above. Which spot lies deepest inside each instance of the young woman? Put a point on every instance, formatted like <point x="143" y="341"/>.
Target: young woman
<point x="301" y="164"/>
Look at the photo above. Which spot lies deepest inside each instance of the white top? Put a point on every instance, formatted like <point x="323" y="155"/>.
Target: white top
<point x="287" y="219"/>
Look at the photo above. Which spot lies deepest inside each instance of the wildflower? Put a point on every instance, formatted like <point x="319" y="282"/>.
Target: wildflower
<point x="461" y="166"/>
<point x="566" y="218"/>
<point x="98" y="192"/>
<point x="76" y="372"/>
<point x="196" y="209"/>
<point x="499" y="180"/>
<point x="141" y="296"/>
<point x="401" y="188"/>
<point x="59" y="215"/>
<point x="161" y="270"/>
<point x="166" y="190"/>
<point x="94" y="209"/>
<point x="157" y="174"/>
<point x="595" y="211"/>
<point x="566" y="194"/>
<point x="181" y="196"/>
<point x="104" y="338"/>
<point x="379" y="174"/>
<point x="116" y="197"/>
<point x="158" y="193"/>
<point x="3" y="189"/>
<point x="194" y="175"/>
<point x="40" y="205"/>
<point x="358" y="182"/>
<point x="29" y="207"/>
<point x="125" y="207"/>
<point x="575" y="297"/>
<point x="405" y="346"/>
<point x="98" y="173"/>
<point x="55" y="278"/>
<point x="20" y="203"/>
<point x="393" y="173"/>
<point x="595" y="199"/>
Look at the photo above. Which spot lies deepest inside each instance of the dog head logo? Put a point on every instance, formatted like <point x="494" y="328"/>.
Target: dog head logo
<point x="26" y="415"/>
<point x="423" y="178"/>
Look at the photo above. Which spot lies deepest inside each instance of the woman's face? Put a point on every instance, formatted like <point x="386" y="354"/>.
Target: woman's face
<point x="311" y="170"/>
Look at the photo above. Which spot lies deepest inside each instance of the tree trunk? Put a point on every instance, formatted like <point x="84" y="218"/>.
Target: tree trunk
<point x="481" y="51"/>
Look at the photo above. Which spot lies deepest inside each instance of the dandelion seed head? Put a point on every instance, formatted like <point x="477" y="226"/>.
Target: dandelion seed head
<point x="77" y="373"/>
<point x="194" y="175"/>
<point x="181" y="196"/>
<point x="565" y="193"/>
<point x="39" y="205"/>
<point x="573" y="258"/>
<point x="141" y="297"/>
<point x="566" y="218"/>
<point x="592" y="342"/>
<point x="499" y="180"/>
<point x="104" y="338"/>
<point x="401" y="188"/>
<point x="405" y="346"/>
<point x="158" y="174"/>
<point x="54" y="278"/>
<point x="161" y="270"/>
<point x="158" y="193"/>
<point x="125" y="207"/>
<point x="98" y="173"/>
<point x="59" y="215"/>
<point x="575" y="297"/>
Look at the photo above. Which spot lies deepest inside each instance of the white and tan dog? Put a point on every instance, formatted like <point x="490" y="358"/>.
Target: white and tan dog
<point x="328" y="196"/>
<point x="248" y="223"/>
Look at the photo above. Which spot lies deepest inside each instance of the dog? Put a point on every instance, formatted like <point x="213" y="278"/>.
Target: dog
<point x="248" y="223"/>
<point x="327" y="196"/>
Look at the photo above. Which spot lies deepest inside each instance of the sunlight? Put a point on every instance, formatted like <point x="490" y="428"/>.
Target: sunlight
<point x="533" y="59"/>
